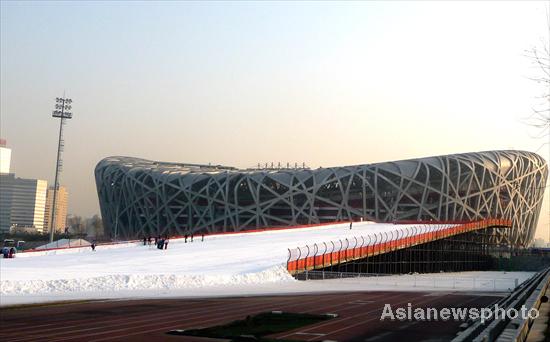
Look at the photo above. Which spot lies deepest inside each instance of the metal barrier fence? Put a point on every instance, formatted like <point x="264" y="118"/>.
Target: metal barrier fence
<point x="322" y="255"/>
<point x="498" y="328"/>
<point x="417" y="280"/>
<point x="319" y="275"/>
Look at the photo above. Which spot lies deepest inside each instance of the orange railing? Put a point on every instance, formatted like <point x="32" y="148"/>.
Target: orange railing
<point x="325" y="254"/>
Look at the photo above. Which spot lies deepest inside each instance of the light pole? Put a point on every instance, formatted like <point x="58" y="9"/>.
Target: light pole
<point x="62" y="107"/>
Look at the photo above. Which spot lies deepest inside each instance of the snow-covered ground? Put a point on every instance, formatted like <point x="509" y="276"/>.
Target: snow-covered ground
<point x="233" y="264"/>
<point x="487" y="282"/>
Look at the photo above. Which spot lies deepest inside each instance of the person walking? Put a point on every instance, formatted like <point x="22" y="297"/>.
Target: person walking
<point x="166" y="243"/>
<point x="185" y="238"/>
<point x="350" y="224"/>
<point x="144" y="240"/>
<point x="191" y="237"/>
<point x="93" y="246"/>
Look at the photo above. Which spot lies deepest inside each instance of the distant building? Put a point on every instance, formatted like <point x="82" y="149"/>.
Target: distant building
<point x="61" y="204"/>
<point x="22" y="202"/>
<point x="5" y="157"/>
<point x="6" y="194"/>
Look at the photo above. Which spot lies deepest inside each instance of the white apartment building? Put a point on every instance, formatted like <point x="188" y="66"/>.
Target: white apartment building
<point x="5" y="157"/>
<point x="22" y="201"/>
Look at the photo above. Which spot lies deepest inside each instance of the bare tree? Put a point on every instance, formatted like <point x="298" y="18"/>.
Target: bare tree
<point x="76" y="224"/>
<point x="540" y="57"/>
<point x="96" y="225"/>
<point x="540" y="116"/>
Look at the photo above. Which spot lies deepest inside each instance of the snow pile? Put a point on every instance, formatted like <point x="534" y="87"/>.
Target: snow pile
<point x="120" y="282"/>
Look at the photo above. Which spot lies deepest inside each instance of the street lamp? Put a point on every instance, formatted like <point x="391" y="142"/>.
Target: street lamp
<point x="62" y="108"/>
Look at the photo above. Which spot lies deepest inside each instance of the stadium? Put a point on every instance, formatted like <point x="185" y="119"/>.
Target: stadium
<point x="418" y="230"/>
<point x="140" y="197"/>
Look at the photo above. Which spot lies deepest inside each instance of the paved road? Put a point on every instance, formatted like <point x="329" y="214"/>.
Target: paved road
<point x="149" y="320"/>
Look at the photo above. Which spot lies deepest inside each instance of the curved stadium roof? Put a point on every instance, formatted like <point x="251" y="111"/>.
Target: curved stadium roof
<point x="141" y="197"/>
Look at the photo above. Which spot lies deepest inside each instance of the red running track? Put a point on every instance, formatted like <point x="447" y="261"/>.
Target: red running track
<point x="149" y="320"/>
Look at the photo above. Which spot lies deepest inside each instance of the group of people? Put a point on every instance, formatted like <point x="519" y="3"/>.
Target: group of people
<point x="160" y="242"/>
<point x="191" y="237"/>
<point x="8" y="252"/>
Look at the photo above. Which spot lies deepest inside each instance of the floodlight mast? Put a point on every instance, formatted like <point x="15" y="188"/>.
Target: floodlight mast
<point x="62" y="107"/>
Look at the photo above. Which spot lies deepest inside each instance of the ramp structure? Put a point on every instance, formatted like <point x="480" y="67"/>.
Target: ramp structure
<point x="342" y="252"/>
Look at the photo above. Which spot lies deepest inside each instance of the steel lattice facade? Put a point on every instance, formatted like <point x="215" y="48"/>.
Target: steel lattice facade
<point x="140" y="197"/>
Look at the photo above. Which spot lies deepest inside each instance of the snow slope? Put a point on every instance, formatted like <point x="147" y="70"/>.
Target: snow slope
<point x="255" y="257"/>
<point x="237" y="260"/>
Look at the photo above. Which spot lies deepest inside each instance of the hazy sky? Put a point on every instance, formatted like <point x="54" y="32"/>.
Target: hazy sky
<point x="325" y="83"/>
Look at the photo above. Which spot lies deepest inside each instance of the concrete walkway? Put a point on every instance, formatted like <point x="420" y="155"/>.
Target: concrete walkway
<point x="538" y="332"/>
